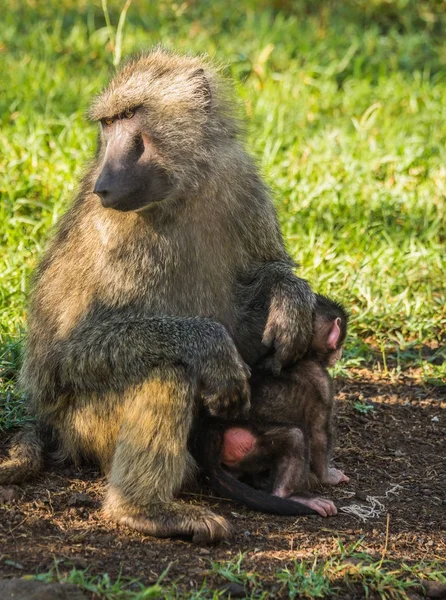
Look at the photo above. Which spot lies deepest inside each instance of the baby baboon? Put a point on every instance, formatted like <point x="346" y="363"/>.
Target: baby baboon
<point x="289" y="430"/>
<point x="165" y="279"/>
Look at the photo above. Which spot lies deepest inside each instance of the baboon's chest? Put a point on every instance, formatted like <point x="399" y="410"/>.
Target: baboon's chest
<point x="176" y="274"/>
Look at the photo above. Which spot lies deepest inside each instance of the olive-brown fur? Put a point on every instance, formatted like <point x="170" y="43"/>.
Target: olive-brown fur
<point x="138" y="318"/>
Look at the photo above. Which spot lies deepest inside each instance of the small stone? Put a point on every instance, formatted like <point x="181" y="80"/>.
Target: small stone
<point x="361" y="496"/>
<point x="8" y="494"/>
<point x="107" y="539"/>
<point x="24" y="589"/>
<point x="235" y="590"/>
<point x="80" y="500"/>
<point x="78" y="562"/>
<point x="434" y="589"/>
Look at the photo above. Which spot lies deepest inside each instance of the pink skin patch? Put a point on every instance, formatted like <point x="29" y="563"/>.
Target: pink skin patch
<point x="237" y="443"/>
<point x="334" y="335"/>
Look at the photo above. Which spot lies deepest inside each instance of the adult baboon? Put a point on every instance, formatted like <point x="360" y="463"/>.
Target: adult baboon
<point x="166" y="277"/>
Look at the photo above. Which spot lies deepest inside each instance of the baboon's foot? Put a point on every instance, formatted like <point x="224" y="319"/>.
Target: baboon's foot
<point x="334" y="476"/>
<point x="323" y="506"/>
<point x="173" y="520"/>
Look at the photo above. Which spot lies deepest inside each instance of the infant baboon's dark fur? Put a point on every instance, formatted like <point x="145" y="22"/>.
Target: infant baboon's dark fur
<point x="165" y="278"/>
<point x="288" y="433"/>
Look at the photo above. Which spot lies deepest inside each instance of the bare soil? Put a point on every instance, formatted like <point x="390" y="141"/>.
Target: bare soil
<point x="400" y="442"/>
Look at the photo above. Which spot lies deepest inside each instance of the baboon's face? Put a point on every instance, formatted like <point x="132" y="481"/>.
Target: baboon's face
<point x="131" y="176"/>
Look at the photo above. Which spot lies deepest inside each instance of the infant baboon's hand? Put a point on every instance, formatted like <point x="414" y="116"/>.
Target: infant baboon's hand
<point x="287" y="332"/>
<point x="224" y="380"/>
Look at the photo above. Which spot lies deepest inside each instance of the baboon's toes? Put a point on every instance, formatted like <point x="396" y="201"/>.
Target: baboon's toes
<point x="335" y="476"/>
<point x="174" y="520"/>
<point x="211" y="529"/>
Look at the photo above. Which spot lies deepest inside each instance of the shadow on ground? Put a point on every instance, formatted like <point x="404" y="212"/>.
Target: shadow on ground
<point x="397" y="443"/>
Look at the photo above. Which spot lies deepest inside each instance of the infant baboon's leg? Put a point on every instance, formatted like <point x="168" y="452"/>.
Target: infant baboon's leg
<point x="292" y="471"/>
<point x="321" y="450"/>
<point x="151" y="462"/>
<point x="292" y="463"/>
<point x="319" y="435"/>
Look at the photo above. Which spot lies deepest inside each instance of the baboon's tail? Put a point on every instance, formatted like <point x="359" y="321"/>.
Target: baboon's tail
<point x="25" y="457"/>
<point x="228" y="486"/>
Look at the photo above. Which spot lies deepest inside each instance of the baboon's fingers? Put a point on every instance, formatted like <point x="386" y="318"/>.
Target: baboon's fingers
<point x="25" y="457"/>
<point x="232" y="401"/>
<point x="14" y="471"/>
<point x="288" y="332"/>
<point x="174" y="520"/>
<point x="323" y="506"/>
<point x="273" y="364"/>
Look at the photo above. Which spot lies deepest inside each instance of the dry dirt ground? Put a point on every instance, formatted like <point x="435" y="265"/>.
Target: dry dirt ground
<point x="400" y="441"/>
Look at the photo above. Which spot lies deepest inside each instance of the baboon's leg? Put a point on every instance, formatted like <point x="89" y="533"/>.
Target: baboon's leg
<point x="319" y="446"/>
<point x="292" y="473"/>
<point x="151" y="462"/>
<point x="321" y="450"/>
<point x="292" y="465"/>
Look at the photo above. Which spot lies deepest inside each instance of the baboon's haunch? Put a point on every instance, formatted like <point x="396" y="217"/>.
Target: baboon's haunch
<point x="160" y="284"/>
<point x="289" y="429"/>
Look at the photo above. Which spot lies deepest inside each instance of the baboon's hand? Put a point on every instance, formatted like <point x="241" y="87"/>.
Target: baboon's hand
<point x="287" y="332"/>
<point x="224" y="380"/>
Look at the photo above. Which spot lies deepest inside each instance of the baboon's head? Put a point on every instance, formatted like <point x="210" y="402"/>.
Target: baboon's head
<point x="165" y="121"/>
<point x="330" y="329"/>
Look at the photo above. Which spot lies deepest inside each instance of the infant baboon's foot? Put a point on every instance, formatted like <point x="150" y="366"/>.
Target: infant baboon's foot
<point x="323" y="506"/>
<point x="335" y="476"/>
<point x="171" y="519"/>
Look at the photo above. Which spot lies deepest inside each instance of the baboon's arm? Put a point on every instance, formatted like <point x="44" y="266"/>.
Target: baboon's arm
<point x="110" y="349"/>
<point x="289" y="323"/>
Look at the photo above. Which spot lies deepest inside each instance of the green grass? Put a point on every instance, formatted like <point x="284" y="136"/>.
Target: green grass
<point x="346" y="115"/>
<point x="348" y="571"/>
<point x="346" y="111"/>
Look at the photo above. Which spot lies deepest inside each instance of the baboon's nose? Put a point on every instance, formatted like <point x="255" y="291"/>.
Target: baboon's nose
<point x="100" y="191"/>
<point x="103" y="190"/>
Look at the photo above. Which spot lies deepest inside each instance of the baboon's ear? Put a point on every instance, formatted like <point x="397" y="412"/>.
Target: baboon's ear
<point x="203" y="88"/>
<point x="334" y="334"/>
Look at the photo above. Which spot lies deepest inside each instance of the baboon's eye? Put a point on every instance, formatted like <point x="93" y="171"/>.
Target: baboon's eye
<point x="107" y="121"/>
<point x="128" y="114"/>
